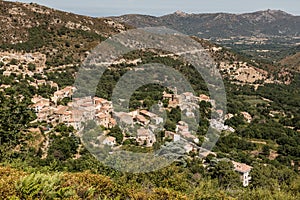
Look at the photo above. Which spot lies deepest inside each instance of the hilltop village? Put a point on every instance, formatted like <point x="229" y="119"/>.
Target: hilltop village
<point x="142" y="126"/>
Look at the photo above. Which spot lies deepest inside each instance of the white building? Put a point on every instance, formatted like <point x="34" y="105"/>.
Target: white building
<point x="244" y="171"/>
<point x="110" y="141"/>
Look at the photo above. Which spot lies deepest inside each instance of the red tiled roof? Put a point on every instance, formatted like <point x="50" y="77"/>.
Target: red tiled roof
<point x="141" y="118"/>
<point x="61" y="110"/>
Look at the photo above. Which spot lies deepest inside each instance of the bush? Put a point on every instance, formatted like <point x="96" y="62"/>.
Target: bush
<point x="8" y="178"/>
<point x="89" y="186"/>
<point x="14" y="62"/>
<point x="31" y="67"/>
<point x="42" y="186"/>
<point x="117" y="133"/>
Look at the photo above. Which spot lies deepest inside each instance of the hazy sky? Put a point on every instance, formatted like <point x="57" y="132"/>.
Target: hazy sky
<point x="162" y="7"/>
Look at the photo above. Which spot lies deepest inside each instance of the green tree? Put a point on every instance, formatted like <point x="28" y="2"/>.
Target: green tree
<point x="31" y="67"/>
<point x="175" y="115"/>
<point x="117" y="133"/>
<point x="13" y="61"/>
<point x="62" y="148"/>
<point x="225" y="174"/>
<point x="266" y="150"/>
<point x="170" y="125"/>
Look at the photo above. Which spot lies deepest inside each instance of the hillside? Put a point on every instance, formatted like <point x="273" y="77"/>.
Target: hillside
<point x="65" y="38"/>
<point x="261" y="33"/>
<point x="292" y="61"/>
<point x="31" y="27"/>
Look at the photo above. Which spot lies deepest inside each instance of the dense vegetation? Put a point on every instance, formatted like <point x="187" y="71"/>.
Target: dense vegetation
<point x="271" y="178"/>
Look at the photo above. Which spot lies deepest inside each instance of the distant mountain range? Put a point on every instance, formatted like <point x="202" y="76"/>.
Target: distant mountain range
<point x="261" y="23"/>
<point x="261" y="33"/>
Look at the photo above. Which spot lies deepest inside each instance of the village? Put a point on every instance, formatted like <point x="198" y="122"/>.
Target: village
<point x="145" y="123"/>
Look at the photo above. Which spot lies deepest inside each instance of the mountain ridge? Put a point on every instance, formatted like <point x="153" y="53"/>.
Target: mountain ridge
<point x="261" y="34"/>
<point x="271" y="11"/>
<point x="264" y="16"/>
<point x="183" y="13"/>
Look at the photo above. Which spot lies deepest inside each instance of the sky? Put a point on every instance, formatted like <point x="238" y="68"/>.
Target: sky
<point x="103" y="8"/>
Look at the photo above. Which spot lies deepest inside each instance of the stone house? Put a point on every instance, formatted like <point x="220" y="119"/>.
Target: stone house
<point x="145" y="137"/>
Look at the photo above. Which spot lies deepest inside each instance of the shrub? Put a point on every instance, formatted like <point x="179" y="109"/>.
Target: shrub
<point x="31" y="67"/>
<point x="14" y="62"/>
<point x="42" y="186"/>
<point x="8" y="179"/>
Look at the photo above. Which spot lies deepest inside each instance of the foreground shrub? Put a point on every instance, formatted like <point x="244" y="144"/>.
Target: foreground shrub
<point x="42" y="186"/>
